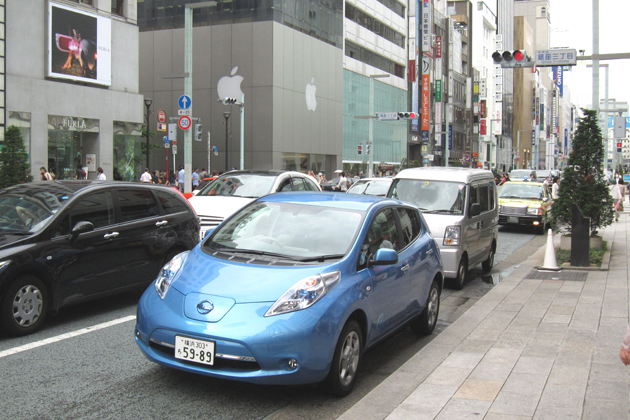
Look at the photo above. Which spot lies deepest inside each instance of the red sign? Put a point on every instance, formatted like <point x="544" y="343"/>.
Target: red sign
<point x="482" y="127"/>
<point x="438" y="46"/>
<point x="482" y="108"/>
<point x="412" y="70"/>
<point x="425" y="102"/>
<point x="184" y="122"/>
<point x="161" y="116"/>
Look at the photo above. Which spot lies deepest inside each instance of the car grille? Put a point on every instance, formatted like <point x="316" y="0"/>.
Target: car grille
<point x="512" y="210"/>
<point x="208" y="222"/>
<point x="219" y="362"/>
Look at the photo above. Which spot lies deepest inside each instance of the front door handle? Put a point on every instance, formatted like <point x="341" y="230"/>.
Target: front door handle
<point x="429" y="252"/>
<point x="161" y="223"/>
<point x="111" y="235"/>
<point x="405" y="268"/>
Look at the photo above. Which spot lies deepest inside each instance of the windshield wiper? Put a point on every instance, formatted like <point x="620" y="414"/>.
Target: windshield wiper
<point x="254" y="252"/>
<point x="509" y="196"/>
<point x="440" y="211"/>
<point x="321" y="258"/>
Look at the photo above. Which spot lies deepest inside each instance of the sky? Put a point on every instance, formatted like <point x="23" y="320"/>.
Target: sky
<point x="572" y="27"/>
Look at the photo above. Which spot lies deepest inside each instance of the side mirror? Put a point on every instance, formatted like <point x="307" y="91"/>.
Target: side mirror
<point x="384" y="256"/>
<point x="546" y="199"/>
<point x="81" y="227"/>
<point x="475" y="209"/>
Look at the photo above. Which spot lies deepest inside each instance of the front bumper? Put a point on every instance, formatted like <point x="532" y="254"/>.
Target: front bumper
<point x="451" y="255"/>
<point x="249" y="346"/>
<point x="521" y="220"/>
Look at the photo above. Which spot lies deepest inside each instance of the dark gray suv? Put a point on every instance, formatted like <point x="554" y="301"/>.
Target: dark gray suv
<point x="64" y="242"/>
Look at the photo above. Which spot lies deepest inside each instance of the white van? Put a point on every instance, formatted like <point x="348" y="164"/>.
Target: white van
<point x="460" y="207"/>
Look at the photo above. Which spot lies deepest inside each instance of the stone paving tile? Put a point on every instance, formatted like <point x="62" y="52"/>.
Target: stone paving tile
<point x="556" y="413"/>
<point x="497" y="416"/>
<point x="410" y="412"/>
<point x="606" y="372"/>
<point x="533" y="364"/>
<point x="568" y="375"/>
<point x="525" y="382"/>
<point x="499" y="355"/>
<point x="474" y="346"/>
<point x="446" y="375"/>
<point x="557" y="318"/>
<point x="491" y="371"/>
<point x="605" y="410"/>
<point x="477" y="389"/>
<point x="608" y="390"/>
<point x="427" y="396"/>
<point x="561" y="309"/>
<point x="518" y="403"/>
<point x="570" y="397"/>
<point x="463" y="360"/>
<point x="464" y="409"/>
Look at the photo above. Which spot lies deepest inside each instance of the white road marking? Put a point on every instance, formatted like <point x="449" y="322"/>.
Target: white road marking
<point x="65" y="336"/>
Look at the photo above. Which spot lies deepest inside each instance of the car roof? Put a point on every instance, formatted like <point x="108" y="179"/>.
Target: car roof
<point x="441" y="173"/>
<point x="330" y="199"/>
<point x="524" y="183"/>
<point x="274" y="172"/>
<point x="70" y="186"/>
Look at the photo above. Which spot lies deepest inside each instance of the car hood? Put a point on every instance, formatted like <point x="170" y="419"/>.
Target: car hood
<point x="518" y="202"/>
<point x="218" y="205"/>
<point x="239" y="281"/>
<point x="9" y="242"/>
<point x="437" y="223"/>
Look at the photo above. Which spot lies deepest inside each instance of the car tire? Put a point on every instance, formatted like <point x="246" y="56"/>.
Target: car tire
<point x="24" y="306"/>
<point x="487" y="264"/>
<point x="425" y="323"/>
<point x="462" y="274"/>
<point x="345" y="363"/>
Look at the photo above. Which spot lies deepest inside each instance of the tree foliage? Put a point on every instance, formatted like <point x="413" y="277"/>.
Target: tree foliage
<point x="14" y="165"/>
<point x="583" y="181"/>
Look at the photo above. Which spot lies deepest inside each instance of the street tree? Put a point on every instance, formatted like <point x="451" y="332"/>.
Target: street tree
<point x="14" y="165"/>
<point x="584" y="181"/>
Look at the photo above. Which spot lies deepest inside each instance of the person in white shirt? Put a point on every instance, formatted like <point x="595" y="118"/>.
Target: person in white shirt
<point x="146" y="177"/>
<point x="101" y="176"/>
<point x="181" y="175"/>
<point x="555" y="188"/>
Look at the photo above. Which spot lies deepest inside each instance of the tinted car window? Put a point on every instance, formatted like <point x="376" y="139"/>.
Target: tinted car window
<point x="96" y="208"/>
<point x="171" y="203"/>
<point x="381" y="234"/>
<point x="136" y="204"/>
<point x="311" y="185"/>
<point x="410" y="225"/>
<point x="298" y="184"/>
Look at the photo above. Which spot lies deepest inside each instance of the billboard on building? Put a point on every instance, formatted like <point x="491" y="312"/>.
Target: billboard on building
<point x="79" y="45"/>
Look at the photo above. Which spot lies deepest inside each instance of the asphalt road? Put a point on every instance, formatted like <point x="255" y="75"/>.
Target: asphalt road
<point x="85" y="364"/>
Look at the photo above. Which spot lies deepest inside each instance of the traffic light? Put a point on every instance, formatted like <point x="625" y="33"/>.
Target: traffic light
<point x="360" y="149"/>
<point x="367" y="149"/>
<point x="619" y="147"/>
<point x="229" y="101"/>
<point x="198" y="132"/>
<point x="407" y="115"/>
<point x="512" y="59"/>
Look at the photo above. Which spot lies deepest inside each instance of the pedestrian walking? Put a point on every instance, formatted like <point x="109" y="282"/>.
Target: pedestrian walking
<point x="203" y="174"/>
<point x="343" y="183"/>
<point x="101" y="176"/>
<point x="45" y="175"/>
<point x="146" y="177"/>
<point x="172" y="180"/>
<point x="195" y="179"/>
<point x="618" y="194"/>
<point x="555" y="188"/>
<point x="180" y="178"/>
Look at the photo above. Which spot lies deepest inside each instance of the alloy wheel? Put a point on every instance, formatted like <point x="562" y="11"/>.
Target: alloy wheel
<point x="349" y="358"/>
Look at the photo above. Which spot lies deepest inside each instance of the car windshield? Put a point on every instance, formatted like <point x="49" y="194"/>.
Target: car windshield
<point x="520" y="174"/>
<point x="522" y="191"/>
<point x="431" y="196"/>
<point x="27" y="212"/>
<point x="373" y="187"/>
<point x="239" y="185"/>
<point x="288" y="231"/>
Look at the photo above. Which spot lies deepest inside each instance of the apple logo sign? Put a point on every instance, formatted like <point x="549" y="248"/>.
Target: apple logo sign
<point x="311" y="101"/>
<point x="230" y="86"/>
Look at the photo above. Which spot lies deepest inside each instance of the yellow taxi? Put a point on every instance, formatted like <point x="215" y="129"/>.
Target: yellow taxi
<point x="524" y="203"/>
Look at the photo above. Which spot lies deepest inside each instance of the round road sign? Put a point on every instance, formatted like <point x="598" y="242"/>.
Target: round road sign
<point x="184" y="122"/>
<point x="161" y="116"/>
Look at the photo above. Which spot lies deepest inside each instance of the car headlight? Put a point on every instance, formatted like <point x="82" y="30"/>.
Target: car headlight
<point x="304" y="293"/>
<point x="452" y="235"/>
<point x="534" y="211"/>
<point x="168" y="273"/>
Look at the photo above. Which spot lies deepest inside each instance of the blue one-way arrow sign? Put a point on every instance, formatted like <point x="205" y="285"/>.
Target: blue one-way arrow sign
<point x="184" y="102"/>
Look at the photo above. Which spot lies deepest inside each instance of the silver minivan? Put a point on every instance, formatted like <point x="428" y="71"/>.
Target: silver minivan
<point x="460" y="207"/>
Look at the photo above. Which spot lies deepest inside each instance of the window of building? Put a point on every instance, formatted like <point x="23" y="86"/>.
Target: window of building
<point x="394" y="6"/>
<point x="374" y="25"/>
<point x="117" y="7"/>
<point x="370" y="57"/>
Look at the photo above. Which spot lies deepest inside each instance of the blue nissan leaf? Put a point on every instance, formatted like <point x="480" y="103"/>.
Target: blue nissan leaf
<point x="292" y="289"/>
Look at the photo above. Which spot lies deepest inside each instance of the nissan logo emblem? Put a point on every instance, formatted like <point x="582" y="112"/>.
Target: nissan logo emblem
<point x="205" y="307"/>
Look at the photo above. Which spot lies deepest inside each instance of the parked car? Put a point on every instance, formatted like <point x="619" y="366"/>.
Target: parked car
<point x="202" y="184"/>
<point x="331" y="185"/>
<point x="64" y="242"/>
<point x="460" y="206"/>
<point x="292" y="289"/>
<point x="371" y="186"/>
<point x="525" y="203"/>
<point x="233" y="190"/>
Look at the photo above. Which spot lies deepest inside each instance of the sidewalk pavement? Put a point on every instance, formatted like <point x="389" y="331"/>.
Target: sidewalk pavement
<point x="539" y="345"/>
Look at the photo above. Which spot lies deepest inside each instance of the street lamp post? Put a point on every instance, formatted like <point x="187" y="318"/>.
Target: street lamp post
<point x="147" y="103"/>
<point x="227" y="116"/>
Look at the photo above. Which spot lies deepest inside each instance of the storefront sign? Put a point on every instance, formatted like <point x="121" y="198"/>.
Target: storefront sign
<point x="482" y="127"/>
<point x="58" y="122"/>
<point x="438" y="46"/>
<point x="438" y="91"/>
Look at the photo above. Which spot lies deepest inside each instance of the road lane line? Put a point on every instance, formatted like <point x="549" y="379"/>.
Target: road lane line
<point x="65" y="336"/>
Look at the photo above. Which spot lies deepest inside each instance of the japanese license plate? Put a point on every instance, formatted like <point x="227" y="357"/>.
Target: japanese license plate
<point x="512" y="219"/>
<point x="194" y="350"/>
